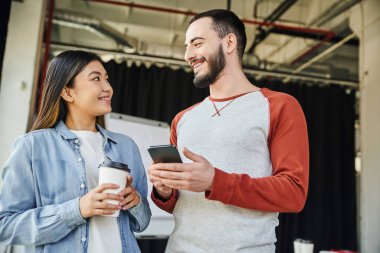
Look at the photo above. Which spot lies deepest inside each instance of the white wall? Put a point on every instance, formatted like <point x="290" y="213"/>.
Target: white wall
<point x="19" y="73"/>
<point x="365" y="21"/>
<point x="20" y="70"/>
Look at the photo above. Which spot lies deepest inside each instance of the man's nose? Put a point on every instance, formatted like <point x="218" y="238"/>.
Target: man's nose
<point x="189" y="55"/>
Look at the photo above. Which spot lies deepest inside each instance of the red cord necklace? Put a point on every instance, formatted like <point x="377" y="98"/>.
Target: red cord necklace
<point x="217" y="111"/>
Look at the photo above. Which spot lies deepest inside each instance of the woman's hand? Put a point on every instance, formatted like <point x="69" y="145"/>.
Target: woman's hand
<point x="129" y="195"/>
<point x="92" y="203"/>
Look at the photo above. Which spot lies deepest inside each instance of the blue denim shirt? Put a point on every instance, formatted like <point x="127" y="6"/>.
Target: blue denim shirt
<point x="43" y="181"/>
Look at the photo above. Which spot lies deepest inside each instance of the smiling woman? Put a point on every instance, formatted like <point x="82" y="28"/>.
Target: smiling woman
<point x="66" y="69"/>
<point x="89" y="98"/>
<point x="60" y="206"/>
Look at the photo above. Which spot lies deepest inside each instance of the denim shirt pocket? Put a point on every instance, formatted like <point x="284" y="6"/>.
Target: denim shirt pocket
<point x="56" y="182"/>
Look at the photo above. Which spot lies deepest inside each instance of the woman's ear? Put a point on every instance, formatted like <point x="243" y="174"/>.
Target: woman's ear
<point x="66" y="95"/>
<point x="231" y="43"/>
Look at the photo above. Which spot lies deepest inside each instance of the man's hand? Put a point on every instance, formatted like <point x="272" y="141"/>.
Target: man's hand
<point x="196" y="176"/>
<point x="162" y="190"/>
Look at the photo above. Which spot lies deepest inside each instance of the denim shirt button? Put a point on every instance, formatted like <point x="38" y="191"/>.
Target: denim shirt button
<point x="76" y="141"/>
<point x="76" y="146"/>
<point x="82" y="186"/>
<point x="83" y="239"/>
<point x="79" y="159"/>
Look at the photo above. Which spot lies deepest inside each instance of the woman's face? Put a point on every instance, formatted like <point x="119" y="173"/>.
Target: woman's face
<point x="91" y="93"/>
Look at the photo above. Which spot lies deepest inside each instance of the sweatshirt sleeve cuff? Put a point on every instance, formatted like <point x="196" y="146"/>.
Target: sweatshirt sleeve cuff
<point x="222" y="187"/>
<point x="167" y="205"/>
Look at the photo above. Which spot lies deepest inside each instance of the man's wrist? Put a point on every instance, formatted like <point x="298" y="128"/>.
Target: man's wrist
<point x="158" y="195"/>
<point x="212" y="180"/>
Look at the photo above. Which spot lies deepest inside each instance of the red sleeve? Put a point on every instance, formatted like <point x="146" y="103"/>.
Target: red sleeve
<point x="169" y="204"/>
<point x="286" y="189"/>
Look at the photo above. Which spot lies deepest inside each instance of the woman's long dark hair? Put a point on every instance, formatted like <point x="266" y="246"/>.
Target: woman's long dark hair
<point x="61" y="73"/>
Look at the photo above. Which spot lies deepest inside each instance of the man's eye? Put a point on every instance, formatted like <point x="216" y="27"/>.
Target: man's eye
<point x="197" y="44"/>
<point x="96" y="78"/>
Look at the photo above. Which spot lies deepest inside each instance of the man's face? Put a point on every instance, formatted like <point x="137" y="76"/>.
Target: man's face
<point x="204" y="52"/>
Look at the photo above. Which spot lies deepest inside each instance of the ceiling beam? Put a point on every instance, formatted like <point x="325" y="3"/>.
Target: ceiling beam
<point x="263" y="32"/>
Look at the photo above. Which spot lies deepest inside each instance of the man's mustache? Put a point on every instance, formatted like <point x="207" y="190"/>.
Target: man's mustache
<point x="197" y="59"/>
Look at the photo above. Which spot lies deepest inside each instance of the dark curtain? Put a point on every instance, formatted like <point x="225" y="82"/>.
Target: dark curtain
<point x="153" y="93"/>
<point x="5" y="8"/>
<point x="329" y="216"/>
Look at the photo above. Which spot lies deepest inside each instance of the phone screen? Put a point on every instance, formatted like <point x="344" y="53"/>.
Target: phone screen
<point x="164" y="154"/>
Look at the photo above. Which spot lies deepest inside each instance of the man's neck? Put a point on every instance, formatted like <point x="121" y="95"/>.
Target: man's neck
<point x="231" y="84"/>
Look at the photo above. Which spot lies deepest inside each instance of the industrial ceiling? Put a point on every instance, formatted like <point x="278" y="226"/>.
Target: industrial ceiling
<point x="306" y="37"/>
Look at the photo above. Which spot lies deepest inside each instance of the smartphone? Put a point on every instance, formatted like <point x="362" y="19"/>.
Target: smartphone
<point x="164" y="154"/>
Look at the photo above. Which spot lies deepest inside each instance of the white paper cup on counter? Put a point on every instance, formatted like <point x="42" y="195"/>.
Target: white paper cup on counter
<point x="114" y="173"/>
<point x="307" y="247"/>
<point x="297" y="245"/>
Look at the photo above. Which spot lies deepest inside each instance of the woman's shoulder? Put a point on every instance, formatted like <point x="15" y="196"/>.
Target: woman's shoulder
<point x="30" y="139"/>
<point x="37" y="134"/>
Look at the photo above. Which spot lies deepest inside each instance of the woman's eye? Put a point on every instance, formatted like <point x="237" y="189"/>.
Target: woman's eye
<point x="96" y="79"/>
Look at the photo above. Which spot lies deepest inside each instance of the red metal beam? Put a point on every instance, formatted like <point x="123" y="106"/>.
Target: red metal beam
<point x="146" y="7"/>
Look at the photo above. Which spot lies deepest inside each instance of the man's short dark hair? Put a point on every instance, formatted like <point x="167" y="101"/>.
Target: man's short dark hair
<point x="224" y="23"/>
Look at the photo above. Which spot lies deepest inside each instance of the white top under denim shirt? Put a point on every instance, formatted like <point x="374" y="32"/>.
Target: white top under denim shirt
<point x="42" y="182"/>
<point x="103" y="231"/>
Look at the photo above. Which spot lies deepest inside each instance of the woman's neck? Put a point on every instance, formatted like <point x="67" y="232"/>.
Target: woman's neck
<point x="81" y="123"/>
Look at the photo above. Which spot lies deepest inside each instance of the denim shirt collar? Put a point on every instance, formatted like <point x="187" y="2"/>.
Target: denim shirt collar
<point x="67" y="134"/>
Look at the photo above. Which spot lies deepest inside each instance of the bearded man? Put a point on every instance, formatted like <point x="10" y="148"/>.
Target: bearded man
<point x="249" y="157"/>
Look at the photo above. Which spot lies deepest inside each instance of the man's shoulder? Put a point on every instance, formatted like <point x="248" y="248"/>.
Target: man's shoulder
<point x="181" y="113"/>
<point x="279" y="98"/>
<point x="276" y="94"/>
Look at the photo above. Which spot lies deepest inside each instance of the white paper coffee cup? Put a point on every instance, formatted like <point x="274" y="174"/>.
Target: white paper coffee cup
<point x="114" y="173"/>
<point x="307" y="247"/>
<point x="297" y="245"/>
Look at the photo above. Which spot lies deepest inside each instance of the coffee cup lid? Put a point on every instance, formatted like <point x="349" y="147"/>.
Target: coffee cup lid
<point x="116" y="165"/>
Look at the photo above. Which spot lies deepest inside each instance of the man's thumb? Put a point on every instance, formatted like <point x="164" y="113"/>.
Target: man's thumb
<point x="192" y="156"/>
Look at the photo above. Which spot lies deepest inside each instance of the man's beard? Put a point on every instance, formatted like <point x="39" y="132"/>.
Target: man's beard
<point x="216" y="64"/>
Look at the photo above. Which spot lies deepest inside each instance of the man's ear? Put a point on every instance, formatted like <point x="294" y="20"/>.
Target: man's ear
<point x="66" y="95"/>
<point x="231" y="43"/>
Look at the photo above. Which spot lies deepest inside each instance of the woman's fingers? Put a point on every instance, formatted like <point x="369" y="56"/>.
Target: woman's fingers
<point x="131" y="198"/>
<point x="105" y="195"/>
<point x="126" y="191"/>
<point x="104" y="211"/>
<point x="103" y="187"/>
<point x="105" y="206"/>
<point x="93" y="203"/>
<point x="126" y="198"/>
<point x="130" y="205"/>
